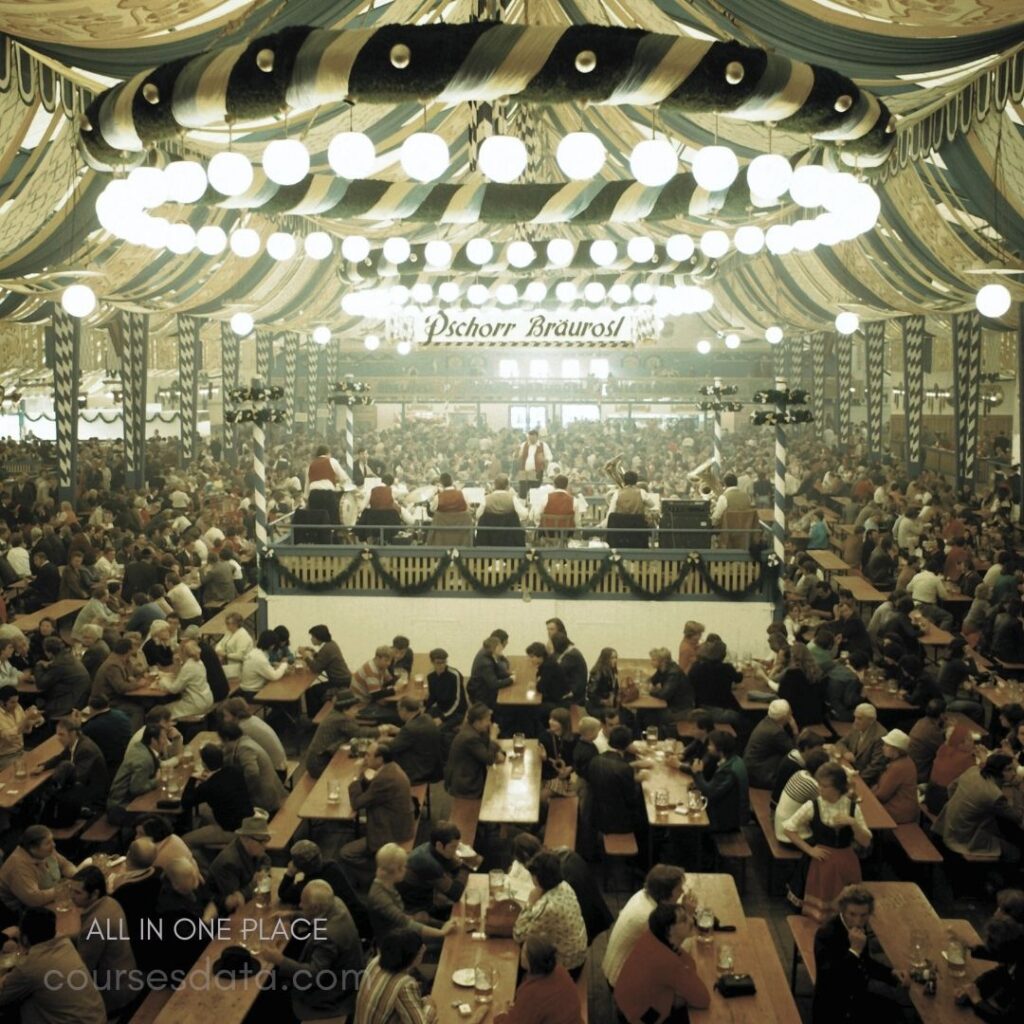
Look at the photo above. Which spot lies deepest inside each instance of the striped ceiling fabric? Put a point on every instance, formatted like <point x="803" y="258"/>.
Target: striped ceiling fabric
<point x="951" y="190"/>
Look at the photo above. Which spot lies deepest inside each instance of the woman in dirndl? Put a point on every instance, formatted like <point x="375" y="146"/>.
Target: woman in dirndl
<point x="825" y="829"/>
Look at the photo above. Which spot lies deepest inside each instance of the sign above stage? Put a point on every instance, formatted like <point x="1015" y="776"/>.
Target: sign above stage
<point x="495" y="328"/>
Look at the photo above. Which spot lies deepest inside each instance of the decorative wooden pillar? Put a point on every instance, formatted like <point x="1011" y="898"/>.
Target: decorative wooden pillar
<point x="135" y="380"/>
<point x="291" y="357"/>
<point x="966" y="392"/>
<point x="844" y="360"/>
<point x="874" y="339"/>
<point x="264" y="355"/>
<point x="188" y="381"/>
<point x="818" y="377"/>
<point x="330" y="379"/>
<point x="228" y="380"/>
<point x="913" y="390"/>
<point x="63" y="341"/>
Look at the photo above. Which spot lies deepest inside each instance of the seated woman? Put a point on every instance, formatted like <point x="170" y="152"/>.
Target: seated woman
<point x="194" y="695"/>
<point x="157" y="648"/>
<point x="952" y="759"/>
<point x="825" y="829"/>
<point x="556" y="745"/>
<point x="554" y="911"/>
<point x="603" y="682"/>
<point x="897" y="788"/>
<point x="546" y="995"/>
<point x="659" y="979"/>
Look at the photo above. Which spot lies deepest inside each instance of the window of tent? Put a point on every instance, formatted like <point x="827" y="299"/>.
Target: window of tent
<point x="580" y="414"/>
<point x="570" y="369"/>
<point x="538" y="369"/>
<point x="526" y="417"/>
<point x="599" y="368"/>
<point x="508" y="369"/>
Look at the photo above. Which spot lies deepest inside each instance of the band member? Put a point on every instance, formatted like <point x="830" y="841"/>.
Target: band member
<point x="324" y="482"/>
<point x="631" y="499"/>
<point x="533" y="457"/>
<point x="732" y="499"/>
<point x="449" y="498"/>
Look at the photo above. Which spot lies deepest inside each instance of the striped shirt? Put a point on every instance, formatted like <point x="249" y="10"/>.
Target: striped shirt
<point x="800" y="788"/>
<point x="389" y="998"/>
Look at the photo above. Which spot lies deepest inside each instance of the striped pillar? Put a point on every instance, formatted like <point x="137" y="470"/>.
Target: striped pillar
<point x="291" y="356"/>
<point x="966" y="392"/>
<point x="63" y="340"/>
<point x="188" y="367"/>
<point x="330" y="378"/>
<point x="264" y="355"/>
<point x="350" y="452"/>
<point x="791" y="358"/>
<point x="807" y="363"/>
<point x="779" y="359"/>
<point x="874" y="338"/>
<point x="228" y="380"/>
<point x="781" y="458"/>
<point x="844" y="354"/>
<point x="717" y="427"/>
<point x="259" y="475"/>
<point x="913" y="390"/>
<point x="818" y="377"/>
<point x="134" y="362"/>
<point x="320" y="413"/>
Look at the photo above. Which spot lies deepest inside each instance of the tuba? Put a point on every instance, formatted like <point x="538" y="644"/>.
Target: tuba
<point x="613" y="468"/>
<point x="706" y="479"/>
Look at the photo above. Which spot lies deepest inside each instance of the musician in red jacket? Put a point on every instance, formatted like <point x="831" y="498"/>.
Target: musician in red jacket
<point x="532" y="458"/>
<point x="325" y="480"/>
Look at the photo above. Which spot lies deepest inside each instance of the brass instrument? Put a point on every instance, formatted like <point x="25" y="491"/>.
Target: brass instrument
<point x="708" y="484"/>
<point x="613" y="467"/>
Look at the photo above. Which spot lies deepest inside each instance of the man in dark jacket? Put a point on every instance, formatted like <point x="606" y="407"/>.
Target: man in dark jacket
<point x="851" y="986"/>
<point x="772" y="739"/>
<point x="109" y="728"/>
<point x="446" y="692"/>
<point x="140" y="575"/>
<point x="616" y="801"/>
<point x="338" y="728"/>
<point x="474" y="749"/>
<point x="221" y="796"/>
<point x="727" y="791"/>
<point x="670" y="685"/>
<point x="573" y="664"/>
<point x="62" y="679"/>
<point x="416" y="746"/>
<point x="80" y="778"/>
<point x="489" y="674"/>
<point x="45" y="587"/>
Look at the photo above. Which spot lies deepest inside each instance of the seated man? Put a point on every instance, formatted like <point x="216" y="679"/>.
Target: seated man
<point x="416" y="746"/>
<point x="435" y="875"/>
<point x="233" y="873"/>
<point x="474" y="749"/>
<point x="446" y="693"/>
<point x="500" y="517"/>
<point x="861" y="747"/>
<point x="561" y="512"/>
<point x="219" y="795"/>
<point x="385" y="906"/>
<point x="31" y="872"/>
<point x="373" y="682"/>
<point x="338" y="728"/>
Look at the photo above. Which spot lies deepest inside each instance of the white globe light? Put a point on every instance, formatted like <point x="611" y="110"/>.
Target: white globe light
<point x="829" y="228"/>
<point x="245" y="242"/>
<point x="594" y="292"/>
<point x="715" y="168"/>
<point x="992" y="300"/>
<point x="211" y="240"/>
<point x="732" y="341"/>
<point x="448" y="291"/>
<point x="805" y="235"/>
<point x="809" y="185"/>
<point x="230" y="173"/>
<point x="157" y="230"/>
<point x="703" y="300"/>
<point x="507" y="294"/>
<point x="643" y="292"/>
<point x="185" y="181"/>
<point x="281" y="246"/>
<point x="78" y="300"/>
<point x="840" y="194"/>
<point x="521" y="254"/>
<point x="371" y="343"/>
<point x="560" y="252"/>
<point x="703" y="346"/>
<point x="773" y="334"/>
<point x="653" y="162"/>
<point x="748" y="239"/>
<point x="318" y="245"/>
<point x="286" y="161"/>
<point x="355" y="248"/>
<point x="604" y="252"/>
<point x="321" y="334"/>
<point x="779" y="239"/>
<point x="403" y="348"/>
<point x="398" y="295"/>
<point x="680" y="248"/>
<point x="424" y="156"/>
<point x="242" y="324"/>
<point x="477" y="294"/>
<point x="769" y="175"/>
<point x="565" y="291"/>
<point x="620" y="293"/>
<point x="640" y="250"/>
<point x="397" y="250"/>
<point x="580" y="155"/>
<point x="437" y="254"/>
<point x="714" y="244"/>
<point x="351" y="155"/>
<point x="422" y="293"/>
<point x="847" y="323"/>
<point x="536" y="291"/>
<point x="864" y="209"/>
<point x="148" y="185"/>
<point x="181" y="238"/>
<point x="115" y="206"/>
<point x="479" y="251"/>
<point x="502" y="157"/>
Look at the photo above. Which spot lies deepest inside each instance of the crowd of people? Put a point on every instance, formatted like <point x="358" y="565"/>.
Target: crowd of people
<point x="152" y="566"/>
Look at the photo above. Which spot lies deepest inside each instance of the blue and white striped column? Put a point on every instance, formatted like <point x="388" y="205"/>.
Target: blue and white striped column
<point x="264" y="355"/>
<point x="136" y="361"/>
<point x="966" y="392"/>
<point x="844" y="358"/>
<point x="718" y="432"/>
<point x="874" y="337"/>
<point x="64" y="342"/>
<point x="350" y="452"/>
<point x="330" y="376"/>
<point x="259" y="472"/>
<point x="913" y="390"/>
<point x="188" y="360"/>
<point x="818" y="377"/>
<point x="781" y="459"/>
<point x="228" y="380"/>
<point x="291" y="357"/>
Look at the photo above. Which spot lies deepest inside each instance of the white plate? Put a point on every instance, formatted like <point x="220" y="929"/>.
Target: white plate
<point x="465" y="977"/>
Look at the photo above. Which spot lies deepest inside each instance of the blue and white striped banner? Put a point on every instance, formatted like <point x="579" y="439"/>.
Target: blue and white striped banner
<point x="844" y="359"/>
<point x="874" y="339"/>
<point x="135" y="379"/>
<point x="966" y="391"/>
<point x="65" y="343"/>
<point x="291" y="356"/>
<point x="817" y="388"/>
<point x="188" y="380"/>
<point x="913" y="389"/>
<point x="229" y="380"/>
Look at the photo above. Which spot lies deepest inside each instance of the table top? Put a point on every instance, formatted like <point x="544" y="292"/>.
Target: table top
<point x="227" y="1001"/>
<point x="934" y="637"/>
<point x="901" y="908"/>
<point x="512" y="790"/>
<point x="57" y="610"/>
<point x="289" y="689"/>
<point x="1004" y="692"/>
<point x="153" y="690"/>
<point x="862" y="589"/>
<point x="343" y="770"/>
<point x="678" y="785"/>
<point x="12" y="790"/>
<point x="146" y="803"/>
<point x="522" y="692"/>
<point x="829" y="561"/>
<point x="876" y="817"/>
<point x="461" y="950"/>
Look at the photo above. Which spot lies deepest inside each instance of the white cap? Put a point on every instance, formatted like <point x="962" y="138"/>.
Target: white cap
<point x="897" y="738"/>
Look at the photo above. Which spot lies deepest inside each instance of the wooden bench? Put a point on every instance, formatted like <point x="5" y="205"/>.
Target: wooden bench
<point x="285" y="823"/>
<point x="101" y="831"/>
<point x="620" y="844"/>
<point x="465" y="814"/>
<point x="840" y="728"/>
<point x="916" y="845"/>
<point x="560" y="828"/>
<point x="152" y="1005"/>
<point x="803" y="930"/>
<point x="734" y="846"/>
<point x="760" y="804"/>
<point x="70" y="832"/>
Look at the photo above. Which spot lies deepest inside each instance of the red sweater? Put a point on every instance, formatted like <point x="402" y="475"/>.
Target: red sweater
<point x="544" y="999"/>
<point x="652" y="977"/>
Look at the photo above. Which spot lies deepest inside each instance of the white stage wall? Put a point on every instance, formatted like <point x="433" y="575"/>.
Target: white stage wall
<point x="458" y="625"/>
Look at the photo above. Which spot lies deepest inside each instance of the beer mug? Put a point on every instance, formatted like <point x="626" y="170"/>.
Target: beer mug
<point x="651" y="735"/>
<point x="705" y="924"/>
<point x="697" y="801"/>
<point x="518" y="744"/>
<point x="496" y="883"/>
<point x="472" y="911"/>
<point x="661" y="802"/>
<point x="333" y="791"/>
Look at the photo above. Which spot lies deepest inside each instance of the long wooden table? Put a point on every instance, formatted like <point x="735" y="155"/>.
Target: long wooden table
<point x="522" y="692"/>
<point x="58" y="610"/>
<point x="829" y="562"/>
<point x="900" y="909"/>
<point x="289" y="689"/>
<point x="146" y="803"/>
<point x="863" y="591"/>
<point x="342" y="769"/>
<point x="12" y="790"/>
<point x="512" y="790"/>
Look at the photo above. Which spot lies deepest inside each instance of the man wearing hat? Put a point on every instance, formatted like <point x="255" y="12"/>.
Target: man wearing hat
<point x="897" y="788"/>
<point x="234" y="870"/>
<point x="339" y="727"/>
<point x="861" y="747"/>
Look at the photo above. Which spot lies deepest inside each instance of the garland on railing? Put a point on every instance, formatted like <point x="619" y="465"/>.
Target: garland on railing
<point x="614" y="562"/>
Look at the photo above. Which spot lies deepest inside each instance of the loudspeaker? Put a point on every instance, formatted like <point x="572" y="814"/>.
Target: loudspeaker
<point x="680" y="517"/>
